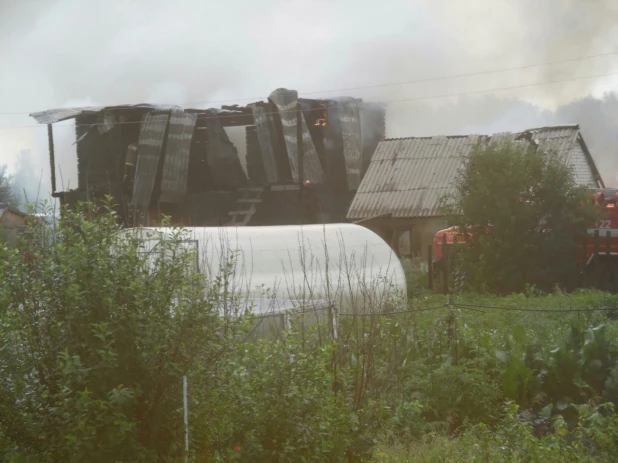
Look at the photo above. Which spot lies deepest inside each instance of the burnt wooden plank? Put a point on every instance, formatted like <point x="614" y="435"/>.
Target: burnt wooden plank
<point x="255" y="166"/>
<point x="286" y="101"/>
<point x="373" y="129"/>
<point x="176" y="163"/>
<point x="235" y="119"/>
<point x="333" y="145"/>
<point x="222" y="156"/>
<point x="151" y="138"/>
<point x="262" y="118"/>
<point x="349" y="118"/>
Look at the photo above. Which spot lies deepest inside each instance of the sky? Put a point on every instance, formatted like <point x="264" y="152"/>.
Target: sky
<point x="202" y="53"/>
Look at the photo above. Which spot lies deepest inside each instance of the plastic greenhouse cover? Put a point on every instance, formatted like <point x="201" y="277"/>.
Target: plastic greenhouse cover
<point x="273" y="269"/>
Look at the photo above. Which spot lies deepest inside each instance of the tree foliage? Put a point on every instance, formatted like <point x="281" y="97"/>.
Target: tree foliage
<point x="524" y="213"/>
<point x="7" y="195"/>
<point x="94" y="344"/>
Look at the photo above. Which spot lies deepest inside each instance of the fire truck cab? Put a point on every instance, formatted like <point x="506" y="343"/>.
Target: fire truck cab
<point x="597" y="253"/>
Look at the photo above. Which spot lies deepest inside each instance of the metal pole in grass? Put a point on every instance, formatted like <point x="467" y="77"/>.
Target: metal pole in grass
<point x="596" y="259"/>
<point x="186" y="410"/>
<point x="429" y="267"/>
<point x="608" y="268"/>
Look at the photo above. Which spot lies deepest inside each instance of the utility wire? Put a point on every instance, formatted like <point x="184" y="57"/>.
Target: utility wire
<point x="381" y="314"/>
<point x="468" y="74"/>
<point x="477" y="308"/>
<point x="524" y="309"/>
<point x="402" y="100"/>
<point x="395" y="84"/>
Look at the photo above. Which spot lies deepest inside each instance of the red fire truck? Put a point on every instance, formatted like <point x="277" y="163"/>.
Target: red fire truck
<point x="597" y="254"/>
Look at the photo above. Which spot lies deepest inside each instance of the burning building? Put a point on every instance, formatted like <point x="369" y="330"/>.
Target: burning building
<point x="305" y="159"/>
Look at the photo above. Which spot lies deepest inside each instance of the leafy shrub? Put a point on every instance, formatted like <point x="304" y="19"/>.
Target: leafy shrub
<point x="94" y="344"/>
<point x="280" y="407"/>
<point x="456" y="395"/>
<point x="513" y="440"/>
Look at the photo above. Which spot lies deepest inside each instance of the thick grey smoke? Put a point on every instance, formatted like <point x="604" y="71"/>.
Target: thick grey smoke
<point x="57" y="53"/>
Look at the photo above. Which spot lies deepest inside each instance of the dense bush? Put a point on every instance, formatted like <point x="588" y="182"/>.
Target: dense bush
<point x="94" y="344"/>
<point x="524" y="212"/>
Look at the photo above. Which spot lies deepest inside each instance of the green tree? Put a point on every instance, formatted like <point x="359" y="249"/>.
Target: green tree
<point x="524" y="212"/>
<point x="7" y="195"/>
<point x="94" y="343"/>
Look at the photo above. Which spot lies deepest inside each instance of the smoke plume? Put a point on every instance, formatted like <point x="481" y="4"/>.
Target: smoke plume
<point x="58" y="53"/>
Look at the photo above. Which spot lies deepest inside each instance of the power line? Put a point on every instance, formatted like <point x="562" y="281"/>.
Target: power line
<point x="476" y="308"/>
<point x="398" y="312"/>
<point x="524" y="309"/>
<point x="401" y="100"/>
<point x="468" y="74"/>
<point x="394" y="84"/>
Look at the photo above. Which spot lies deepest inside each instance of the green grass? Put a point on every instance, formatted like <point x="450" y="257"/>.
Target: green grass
<point x="497" y="348"/>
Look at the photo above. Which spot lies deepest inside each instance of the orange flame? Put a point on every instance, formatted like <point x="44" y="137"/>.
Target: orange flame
<point x="320" y="122"/>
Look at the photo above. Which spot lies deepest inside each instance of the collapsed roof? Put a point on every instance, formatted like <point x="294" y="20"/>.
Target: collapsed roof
<point x="178" y="151"/>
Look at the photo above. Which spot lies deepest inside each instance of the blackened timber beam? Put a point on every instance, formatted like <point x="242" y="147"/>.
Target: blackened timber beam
<point x="52" y="157"/>
<point x="236" y="118"/>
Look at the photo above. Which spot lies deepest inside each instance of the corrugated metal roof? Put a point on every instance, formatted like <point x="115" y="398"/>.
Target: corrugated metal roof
<point x="407" y="177"/>
<point x="51" y="116"/>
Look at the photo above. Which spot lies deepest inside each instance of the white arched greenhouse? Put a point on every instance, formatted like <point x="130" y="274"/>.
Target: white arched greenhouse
<point x="272" y="270"/>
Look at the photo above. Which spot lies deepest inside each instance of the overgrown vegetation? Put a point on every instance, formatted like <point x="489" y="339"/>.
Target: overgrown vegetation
<point x="94" y="345"/>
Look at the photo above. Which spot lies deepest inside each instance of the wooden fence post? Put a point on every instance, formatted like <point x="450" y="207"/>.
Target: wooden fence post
<point x="430" y="267"/>
<point x="452" y="329"/>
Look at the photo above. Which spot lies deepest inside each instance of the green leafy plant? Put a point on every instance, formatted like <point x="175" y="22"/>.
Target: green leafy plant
<point x="94" y="342"/>
<point x="524" y="212"/>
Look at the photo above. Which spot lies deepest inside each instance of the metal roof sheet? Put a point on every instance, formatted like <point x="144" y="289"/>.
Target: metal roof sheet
<point x="408" y="177"/>
<point x="51" y="116"/>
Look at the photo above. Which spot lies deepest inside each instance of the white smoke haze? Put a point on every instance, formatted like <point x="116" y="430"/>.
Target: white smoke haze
<point x="59" y="53"/>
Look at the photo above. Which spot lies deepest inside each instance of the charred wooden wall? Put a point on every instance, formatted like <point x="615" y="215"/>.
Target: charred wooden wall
<point x="187" y="166"/>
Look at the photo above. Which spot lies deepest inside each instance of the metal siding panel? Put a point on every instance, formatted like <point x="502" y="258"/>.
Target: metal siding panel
<point x="151" y="137"/>
<point x="176" y="163"/>
<point x="285" y="100"/>
<point x="222" y="157"/>
<point x="581" y="169"/>
<point x="564" y="142"/>
<point x="349" y="118"/>
<point x="52" y="116"/>
<point x="286" y="105"/>
<point x="261" y="116"/>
